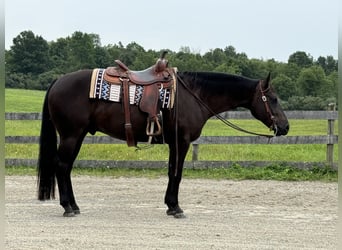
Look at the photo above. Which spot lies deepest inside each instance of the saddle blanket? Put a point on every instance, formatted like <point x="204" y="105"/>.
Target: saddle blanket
<point x="101" y="89"/>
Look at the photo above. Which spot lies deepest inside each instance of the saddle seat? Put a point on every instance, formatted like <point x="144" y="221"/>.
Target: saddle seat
<point x="157" y="73"/>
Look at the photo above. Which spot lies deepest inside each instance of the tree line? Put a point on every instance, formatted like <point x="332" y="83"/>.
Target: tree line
<point x="302" y="83"/>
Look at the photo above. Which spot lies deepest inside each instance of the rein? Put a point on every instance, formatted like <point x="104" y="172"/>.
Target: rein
<point x="225" y="121"/>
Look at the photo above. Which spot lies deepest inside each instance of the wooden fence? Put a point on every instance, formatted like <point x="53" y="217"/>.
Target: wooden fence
<point x="329" y="140"/>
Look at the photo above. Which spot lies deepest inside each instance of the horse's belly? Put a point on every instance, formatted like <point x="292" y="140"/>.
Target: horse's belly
<point x="110" y="119"/>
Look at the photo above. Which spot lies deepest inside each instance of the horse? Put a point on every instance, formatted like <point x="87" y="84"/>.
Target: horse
<point x="68" y="110"/>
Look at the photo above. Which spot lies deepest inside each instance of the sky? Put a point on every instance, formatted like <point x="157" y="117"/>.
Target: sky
<point x="263" y="29"/>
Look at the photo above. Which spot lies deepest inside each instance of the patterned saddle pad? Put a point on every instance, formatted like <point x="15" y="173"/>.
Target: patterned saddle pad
<point x="101" y="89"/>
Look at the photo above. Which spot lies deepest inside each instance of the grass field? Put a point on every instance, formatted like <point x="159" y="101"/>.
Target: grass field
<point x="17" y="100"/>
<point x="31" y="101"/>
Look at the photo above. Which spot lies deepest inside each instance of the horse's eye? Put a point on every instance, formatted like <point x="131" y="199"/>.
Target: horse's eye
<point x="274" y="100"/>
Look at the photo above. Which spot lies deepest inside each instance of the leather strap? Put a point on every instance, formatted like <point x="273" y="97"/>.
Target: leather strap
<point x="128" y="126"/>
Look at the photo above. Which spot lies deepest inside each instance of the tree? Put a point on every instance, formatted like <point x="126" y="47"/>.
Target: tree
<point x="312" y="82"/>
<point x="301" y="59"/>
<point x="102" y="57"/>
<point x="129" y="54"/>
<point x="321" y="61"/>
<point x="29" y="54"/>
<point x="113" y="52"/>
<point x="230" y="69"/>
<point x="45" y="79"/>
<point x="59" y="54"/>
<point x="187" y="62"/>
<point x="290" y="70"/>
<point x="333" y="85"/>
<point x="230" y="52"/>
<point x="81" y="48"/>
<point x="306" y="103"/>
<point x="329" y="64"/>
<point x="219" y="56"/>
<point x="256" y="69"/>
<point x="285" y="87"/>
<point x="16" y="80"/>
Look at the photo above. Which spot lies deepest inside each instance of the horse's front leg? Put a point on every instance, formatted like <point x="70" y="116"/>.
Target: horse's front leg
<point x="175" y="176"/>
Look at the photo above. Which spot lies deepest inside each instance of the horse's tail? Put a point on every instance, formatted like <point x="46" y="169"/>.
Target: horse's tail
<point x="47" y="154"/>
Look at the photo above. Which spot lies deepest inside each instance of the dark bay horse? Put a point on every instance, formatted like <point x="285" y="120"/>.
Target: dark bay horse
<point x="68" y="110"/>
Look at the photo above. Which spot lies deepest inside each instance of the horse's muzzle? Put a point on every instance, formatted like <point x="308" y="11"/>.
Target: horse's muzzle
<point x="281" y="130"/>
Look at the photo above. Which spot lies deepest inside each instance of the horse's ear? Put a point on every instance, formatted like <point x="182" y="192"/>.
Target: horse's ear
<point x="267" y="81"/>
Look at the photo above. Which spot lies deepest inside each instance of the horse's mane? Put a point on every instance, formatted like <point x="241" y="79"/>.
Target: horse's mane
<point x="216" y="82"/>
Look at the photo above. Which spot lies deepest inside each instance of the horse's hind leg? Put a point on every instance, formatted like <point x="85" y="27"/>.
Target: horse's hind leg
<point x="67" y="152"/>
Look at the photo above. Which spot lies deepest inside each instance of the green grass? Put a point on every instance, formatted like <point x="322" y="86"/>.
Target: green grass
<point x="31" y="101"/>
<point x="18" y="100"/>
<point x="245" y="152"/>
<point x="212" y="127"/>
<point x="235" y="172"/>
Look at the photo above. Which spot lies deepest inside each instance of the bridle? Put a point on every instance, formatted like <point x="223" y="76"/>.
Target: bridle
<point x="267" y="106"/>
<point x="228" y="123"/>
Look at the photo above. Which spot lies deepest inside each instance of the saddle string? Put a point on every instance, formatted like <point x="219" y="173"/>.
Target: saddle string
<point x="218" y="116"/>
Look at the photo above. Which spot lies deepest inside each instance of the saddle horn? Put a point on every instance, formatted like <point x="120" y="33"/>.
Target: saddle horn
<point x="163" y="54"/>
<point x="161" y="63"/>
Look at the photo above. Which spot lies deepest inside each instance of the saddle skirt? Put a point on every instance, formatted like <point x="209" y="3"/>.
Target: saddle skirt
<point x="110" y="89"/>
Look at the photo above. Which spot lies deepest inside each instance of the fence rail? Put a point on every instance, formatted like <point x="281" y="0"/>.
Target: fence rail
<point x="312" y="115"/>
<point x="330" y="139"/>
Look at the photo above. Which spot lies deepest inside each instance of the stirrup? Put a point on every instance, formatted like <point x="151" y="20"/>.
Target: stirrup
<point x="150" y="137"/>
<point x="150" y="127"/>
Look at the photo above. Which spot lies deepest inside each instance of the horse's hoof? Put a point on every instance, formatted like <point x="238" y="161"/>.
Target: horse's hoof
<point x="77" y="211"/>
<point x="68" y="214"/>
<point x="179" y="216"/>
<point x="176" y="211"/>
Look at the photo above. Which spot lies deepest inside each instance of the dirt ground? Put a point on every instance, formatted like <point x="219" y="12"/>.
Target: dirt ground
<point x="128" y="213"/>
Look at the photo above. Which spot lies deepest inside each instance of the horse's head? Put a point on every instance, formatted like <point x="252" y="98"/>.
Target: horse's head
<point x="266" y="108"/>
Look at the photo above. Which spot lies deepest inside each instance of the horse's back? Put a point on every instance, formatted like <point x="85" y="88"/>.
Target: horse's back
<point x="72" y="83"/>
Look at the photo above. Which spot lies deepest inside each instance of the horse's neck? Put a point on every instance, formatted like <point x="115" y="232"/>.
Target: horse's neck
<point x="223" y="94"/>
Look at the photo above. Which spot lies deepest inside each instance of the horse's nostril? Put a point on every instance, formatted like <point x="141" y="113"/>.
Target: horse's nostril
<point x="286" y="129"/>
<point x="282" y="130"/>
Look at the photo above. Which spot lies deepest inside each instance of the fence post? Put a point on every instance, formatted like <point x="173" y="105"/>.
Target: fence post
<point x="195" y="152"/>
<point x="330" y="143"/>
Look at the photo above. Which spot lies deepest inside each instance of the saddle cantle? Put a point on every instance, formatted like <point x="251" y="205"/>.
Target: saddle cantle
<point x="153" y="79"/>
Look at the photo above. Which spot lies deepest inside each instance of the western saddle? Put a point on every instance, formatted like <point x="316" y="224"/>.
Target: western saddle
<point x="152" y="79"/>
